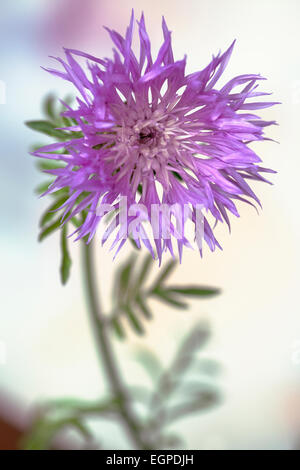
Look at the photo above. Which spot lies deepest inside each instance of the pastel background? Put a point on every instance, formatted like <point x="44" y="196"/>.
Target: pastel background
<point x="46" y="346"/>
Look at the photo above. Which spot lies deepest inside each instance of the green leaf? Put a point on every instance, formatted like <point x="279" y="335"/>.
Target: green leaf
<point x="132" y="241"/>
<point x="46" y="127"/>
<point x="51" y="212"/>
<point x="118" y="328"/>
<point x="66" y="122"/>
<point x="194" y="291"/>
<point x="60" y="192"/>
<point x="76" y="222"/>
<point x="49" y="107"/>
<point x="140" y="394"/>
<point x="135" y="323"/>
<point x="80" y="407"/>
<point x="170" y="441"/>
<point x="128" y="298"/>
<point x="68" y="99"/>
<point x="169" y="298"/>
<point x="150" y="362"/>
<point x="66" y="261"/>
<point x="41" y="188"/>
<point x="144" y="308"/>
<point x="138" y="282"/>
<point x="209" y="366"/>
<point x="125" y="274"/>
<point x="205" y="399"/>
<point x="36" y="146"/>
<point x="123" y="277"/>
<point x="49" y="165"/>
<point x="165" y="274"/>
<point x="45" y="430"/>
<point x="144" y="270"/>
<point x="49" y="229"/>
<point x="194" y="340"/>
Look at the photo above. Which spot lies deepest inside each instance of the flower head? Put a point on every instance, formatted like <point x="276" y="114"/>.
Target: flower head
<point x="156" y="135"/>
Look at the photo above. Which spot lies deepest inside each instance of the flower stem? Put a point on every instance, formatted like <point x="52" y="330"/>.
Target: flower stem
<point x="101" y="332"/>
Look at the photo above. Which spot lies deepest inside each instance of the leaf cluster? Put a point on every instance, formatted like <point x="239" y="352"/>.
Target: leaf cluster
<point x="131" y="296"/>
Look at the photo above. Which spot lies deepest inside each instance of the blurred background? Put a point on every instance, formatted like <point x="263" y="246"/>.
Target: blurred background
<point x="46" y="346"/>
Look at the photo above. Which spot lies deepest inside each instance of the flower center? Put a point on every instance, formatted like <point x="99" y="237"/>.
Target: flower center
<point x="147" y="142"/>
<point x="146" y="133"/>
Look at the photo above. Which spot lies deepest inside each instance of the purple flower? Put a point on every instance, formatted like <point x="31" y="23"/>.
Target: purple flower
<point x="155" y="135"/>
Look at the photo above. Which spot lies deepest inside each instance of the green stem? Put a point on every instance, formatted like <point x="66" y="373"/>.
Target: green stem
<point x="118" y="389"/>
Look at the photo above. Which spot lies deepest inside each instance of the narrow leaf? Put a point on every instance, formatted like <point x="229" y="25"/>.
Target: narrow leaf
<point x="41" y="188"/>
<point x="132" y="241"/>
<point x="165" y="274"/>
<point x="135" y="323"/>
<point x="150" y="362"/>
<point x="49" y="165"/>
<point x="118" y="328"/>
<point x="49" y="107"/>
<point x="169" y="299"/>
<point x="123" y="279"/>
<point x="144" y="308"/>
<point x="205" y="400"/>
<point x="51" y="211"/>
<point x="144" y="270"/>
<point x="46" y="127"/>
<point x="76" y="222"/>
